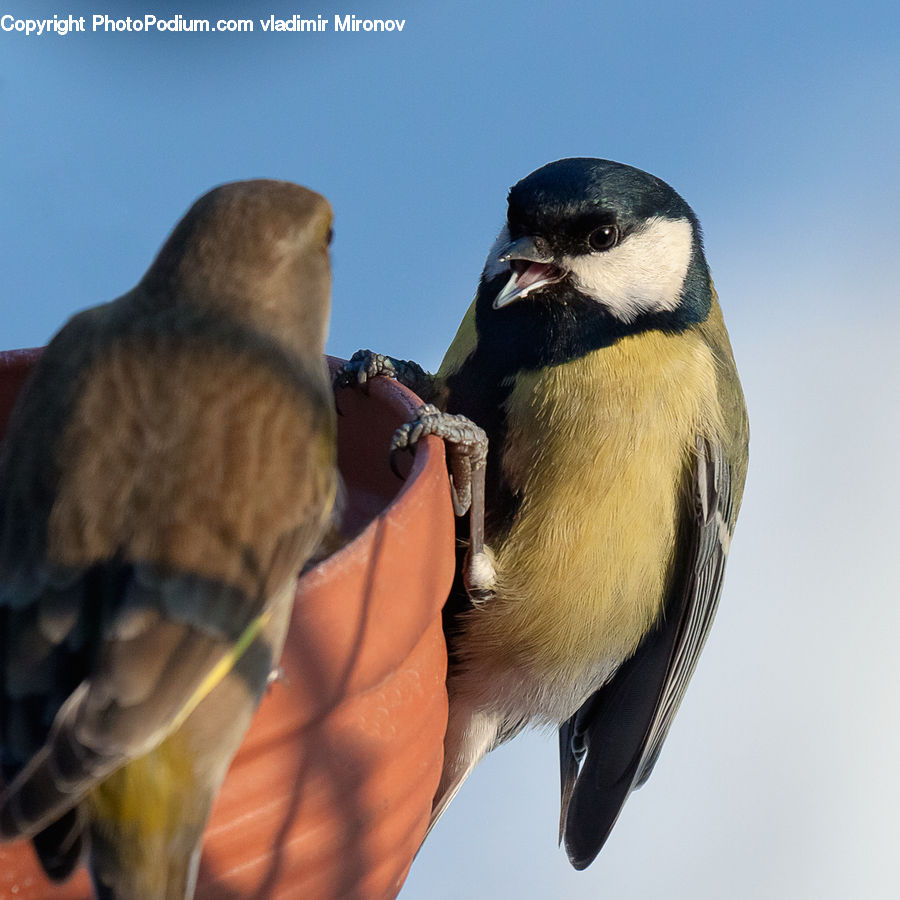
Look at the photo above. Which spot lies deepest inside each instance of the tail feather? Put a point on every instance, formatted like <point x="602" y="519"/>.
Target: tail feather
<point x="56" y="778"/>
<point x="61" y="845"/>
<point x="471" y="734"/>
<point x="174" y="877"/>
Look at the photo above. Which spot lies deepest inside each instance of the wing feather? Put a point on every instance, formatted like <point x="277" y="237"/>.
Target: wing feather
<point x="615" y="738"/>
<point x="100" y="660"/>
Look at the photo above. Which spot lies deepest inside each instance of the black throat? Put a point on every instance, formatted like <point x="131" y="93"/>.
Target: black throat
<point x="556" y="325"/>
<point x="559" y="323"/>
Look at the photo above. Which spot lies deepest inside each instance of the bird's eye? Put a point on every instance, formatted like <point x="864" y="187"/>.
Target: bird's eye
<point x="604" y="237"/>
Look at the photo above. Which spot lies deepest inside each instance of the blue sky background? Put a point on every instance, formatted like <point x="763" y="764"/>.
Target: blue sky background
<point x="779" y="123"/>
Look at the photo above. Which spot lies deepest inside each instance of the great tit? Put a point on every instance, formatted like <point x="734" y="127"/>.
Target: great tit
<point x="167" y="470"/>
<point x="596" y="359"/>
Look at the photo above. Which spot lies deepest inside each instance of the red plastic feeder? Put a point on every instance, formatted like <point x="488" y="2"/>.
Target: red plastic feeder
<point x="331" y="791"/>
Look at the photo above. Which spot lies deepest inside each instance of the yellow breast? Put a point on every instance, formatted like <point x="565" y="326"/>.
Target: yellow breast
<point x="598" y="449"/>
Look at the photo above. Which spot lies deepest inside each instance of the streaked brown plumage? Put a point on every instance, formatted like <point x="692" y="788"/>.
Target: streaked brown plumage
<point x="167" y="471"/>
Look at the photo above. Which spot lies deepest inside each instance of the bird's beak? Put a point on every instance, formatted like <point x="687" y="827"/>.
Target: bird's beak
<point x="532" y="267"/>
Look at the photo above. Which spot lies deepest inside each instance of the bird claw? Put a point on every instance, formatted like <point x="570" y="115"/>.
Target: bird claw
<point x="392" y="459"/>
<point x="466" y="447"/>
<point x="365" y="365"/>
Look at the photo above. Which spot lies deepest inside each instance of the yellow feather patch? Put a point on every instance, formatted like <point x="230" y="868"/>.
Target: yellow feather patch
<point x="147" y="794"/>
<point x="137" y="793"/>
<point x="462" y="345"/>
<point x="223" y="666"/>
<point x="153" y="809"/>
<point x="599" y="448"/>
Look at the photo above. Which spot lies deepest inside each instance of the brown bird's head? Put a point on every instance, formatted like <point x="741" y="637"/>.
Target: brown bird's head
<point x="256" y="251"/>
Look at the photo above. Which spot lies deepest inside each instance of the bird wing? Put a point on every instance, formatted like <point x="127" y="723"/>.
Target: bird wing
<point x="609" y="747"/>
<point x="99" y="662"/>
<point x="145" y="661"/>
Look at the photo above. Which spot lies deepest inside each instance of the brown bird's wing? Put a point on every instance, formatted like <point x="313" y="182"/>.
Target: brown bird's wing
<point x="106" y="652"/>
<point x="147" y="655"/>
<point x="609" y="747"/>
<point x="41" y="654"/>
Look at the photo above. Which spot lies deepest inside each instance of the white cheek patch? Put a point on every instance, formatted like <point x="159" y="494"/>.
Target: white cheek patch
<point x="645" y="273"/>
<point x="492" y="265"/>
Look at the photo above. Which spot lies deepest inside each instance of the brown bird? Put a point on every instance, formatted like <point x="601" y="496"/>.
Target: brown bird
<point x="167" y="471"/>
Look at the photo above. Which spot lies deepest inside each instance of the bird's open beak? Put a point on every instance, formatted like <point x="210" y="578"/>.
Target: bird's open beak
<point x="532" y="267"/>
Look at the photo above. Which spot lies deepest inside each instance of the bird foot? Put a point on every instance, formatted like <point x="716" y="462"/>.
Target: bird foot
<point x="366" y="364"/>
<point x="466" y="446"/>
<point x="465" y="443"/>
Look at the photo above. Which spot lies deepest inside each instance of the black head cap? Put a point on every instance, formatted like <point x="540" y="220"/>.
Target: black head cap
<point x="562" y="193"/>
